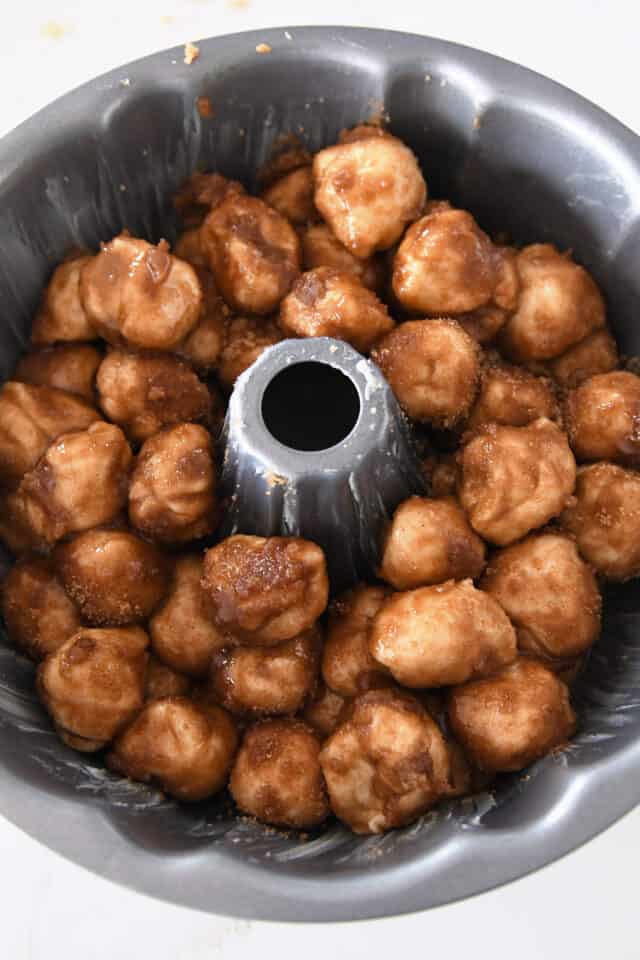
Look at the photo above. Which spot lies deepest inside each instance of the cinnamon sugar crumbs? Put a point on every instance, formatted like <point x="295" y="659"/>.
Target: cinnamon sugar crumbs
<point x="263" y="48"/>
<point x="191" y="53"/>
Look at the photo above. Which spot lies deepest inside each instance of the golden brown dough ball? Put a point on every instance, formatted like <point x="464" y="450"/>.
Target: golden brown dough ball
<point x="162" y="681"/>
<point x="292" y="196"/>
<point x="70" y="367"/>
<point x="183" y="747"/>
<point x="512" y="718"/>
<point x="80" y="482"/>
<point x="264" y="590"/>
<point x="188" y="247"/>
<point x="549" y="594"/>
<point x="433" y="368"/>
<point x="515" y="479"/>
<point x="267" y="680"/>
<point x="62" y="316"/>
<point x="513" y="397"/>
<point x="253" y="252"/>
<point x="559" y="305"/>
<point x="320" y="248"/>
<point x="38" y="614"/>
<point x="93" y="685"/>
<point x="172" y="497"/>
<point x="287" y="154"/>
<point x="203" y="346"/>
<point x="368" y="191"/>
<point x="113" y="577"/>
<point x="183" y="634"/>
<point x="276" y="776"/>
<point x="430" y="541"/>
<point x="146" y="391"/>
<point x="323" y="711"/>
<point x="327" y="303"/>
<point x="201" y="194"/>
<point x="604" y="518"/>
<point x="441" y="475"/>
<point x="597" y="353"/>
<point x="385" y="764"/>
<point x="442" y="635"/>
<point x="603" y="418"/>
<point x="347" y="665"/>
<point x="30" y="418"/>
<point x="138" y="294"/>
<point x="246" y="339"/>
<point x="447" y="265"/>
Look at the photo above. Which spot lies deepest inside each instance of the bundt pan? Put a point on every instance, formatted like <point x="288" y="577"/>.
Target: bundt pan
<point x="524" y="155"/>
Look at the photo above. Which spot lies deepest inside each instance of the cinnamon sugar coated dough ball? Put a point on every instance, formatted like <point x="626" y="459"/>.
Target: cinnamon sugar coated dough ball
<point x="203" y="345"/>
<point x="70" y="367"/>
<point x="184" y="748"/>
<point x="172" y="495"/>
<point x="441" y="475"/>
<point x="442" y="635"/>
<point x="80" y="482"/>
<point x="201" y="194"/>
<point x="603" y="418"/>
<point x="433" y="368"/>
<point x="37" y="612"/>
<point x="347" y="665"/>
<point x="30" y="418"/>
<point x="292" y="196"/>
<point x="62" y="316"/>
<point x="253" y="252"/>
<point x="430" y="541"/>
<point x="604" y="518"/>
<point x="327" y="303"/>
<point x="143" y="392"/>
<point x="559" y="305"/>
<point x="162" y="681"/>
<point x="267" y="680"/>
<point x="513" y="397"/>
<point x="112" y="576"/>
<point x="183" y="634"/>
<point x="188" y="247"/>
<point x="385" y="764"/>
<point x="246" y="339"/>
<point x="447" y="265"/>
<point x="515" y="479"/>
<point x="510" y="719"/>
<point x="368" y="191"/>
<point x="264" y="590"/>
<point x="320" y="248"/>
<point x="139" y="294"/>
<point x="549" y="593"/>
<point x="276" y="776"/>
<point x="93" y="685"/>
<point x="597" y="353"/>
<point x="323" y="711"/>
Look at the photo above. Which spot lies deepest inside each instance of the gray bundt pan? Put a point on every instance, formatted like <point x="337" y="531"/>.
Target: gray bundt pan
<point x="524" y="155"/>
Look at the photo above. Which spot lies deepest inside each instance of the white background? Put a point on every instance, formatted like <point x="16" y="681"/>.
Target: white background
<point x="584" y="906"/>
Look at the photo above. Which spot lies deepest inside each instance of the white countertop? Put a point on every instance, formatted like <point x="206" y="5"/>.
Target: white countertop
<point x="584" y="906"/>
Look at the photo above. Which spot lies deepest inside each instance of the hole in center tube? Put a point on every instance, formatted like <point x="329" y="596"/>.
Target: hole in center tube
<point x="310" y="406"/>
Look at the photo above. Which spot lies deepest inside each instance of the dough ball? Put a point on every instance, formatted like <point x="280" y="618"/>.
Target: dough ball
<point x="253" y="252"/>
<point x="38" y="614"/>
<point x="323" y="711"/>
<point x="442" y="635"/>
<point x="327" y="303"/>
<point x="201" y="194"/>
<point x="276" y="776"/>
<point x="264" y="590"/>
<point x="347" y="665"/>
<point x="70" y="367"/>
<point x="162" y="681"/>
<point x="247" y="338"/>
<point x="320" y="248"/>
<point x="188" y="247"/>
<point x="203" y="345"/>
<point x="597" y="353"/>
<point x="441" y="475"/>
<point x="363" y="131"/>
<point x="292" y="196"/>
<point x="113" y="576"/>
<point x="172" y="495"/>
<point x="183" y="634"/>
<point x="368" y="191"/>
<point x="513" y="397"/>
<point x="183" y="747"/>
<point x="62" y="316"/>
<point x="549" y="594"/>
<point x="559" y="305"/>
<point x="511" y="719"/>
<point x="433" y="368"/>
<point x="385" y="764"/>
<point x="430" y="541"/>
<point x="603" y="418"/>
<point x="515" y="479"/>
<point x="144" y="392"/>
